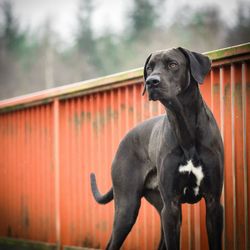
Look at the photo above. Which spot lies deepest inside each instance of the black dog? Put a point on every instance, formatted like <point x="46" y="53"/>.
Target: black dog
<point x="171" y="159"/>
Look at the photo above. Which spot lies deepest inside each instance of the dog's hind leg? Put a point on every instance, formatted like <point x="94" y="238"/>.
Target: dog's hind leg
<point x="126" y="211"/>
<point x="128" y="179"/>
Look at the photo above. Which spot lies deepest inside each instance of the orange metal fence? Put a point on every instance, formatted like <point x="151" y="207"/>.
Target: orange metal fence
<point x="50" y="142"/>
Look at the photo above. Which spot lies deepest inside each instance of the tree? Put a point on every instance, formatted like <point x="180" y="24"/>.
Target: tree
<point x="200" y="29"/>
<point x="143" y="18"/>
<point x="12" y="38"/>
<point x="12" y="49"/>
<point x="108" y="47"/>
<point x="85" y="42"/>
<point x="240" y="32"/>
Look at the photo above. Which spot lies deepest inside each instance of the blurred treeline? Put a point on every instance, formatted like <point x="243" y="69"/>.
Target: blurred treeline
<point x="35" y="60"/>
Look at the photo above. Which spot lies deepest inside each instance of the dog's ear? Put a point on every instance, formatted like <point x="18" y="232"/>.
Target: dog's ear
<point x="145" y="73"/>
<point x="200" y="65"/>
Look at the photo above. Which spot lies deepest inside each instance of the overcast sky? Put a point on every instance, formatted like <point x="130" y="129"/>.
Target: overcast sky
<point x="109" y="13"/>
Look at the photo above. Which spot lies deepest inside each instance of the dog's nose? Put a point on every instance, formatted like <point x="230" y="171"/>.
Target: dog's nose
<point x="153" y="81"/>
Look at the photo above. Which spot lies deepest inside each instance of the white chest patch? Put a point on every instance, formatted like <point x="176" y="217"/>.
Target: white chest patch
<point x="196" y="171"/>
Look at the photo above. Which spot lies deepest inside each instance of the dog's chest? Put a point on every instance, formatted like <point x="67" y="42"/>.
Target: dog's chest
<point x="192" y="177"/>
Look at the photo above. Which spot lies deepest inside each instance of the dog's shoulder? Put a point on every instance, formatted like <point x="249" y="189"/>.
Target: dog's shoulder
<point x="140" y="134"/>
<point x="145" y="128"/>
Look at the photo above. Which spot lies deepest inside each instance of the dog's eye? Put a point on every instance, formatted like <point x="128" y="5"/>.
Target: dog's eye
<point x="172" y="65"/>
<point x="149" y="69"/>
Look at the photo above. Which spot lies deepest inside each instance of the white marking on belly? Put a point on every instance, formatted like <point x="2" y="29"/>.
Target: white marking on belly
<point x="196" y="171"/>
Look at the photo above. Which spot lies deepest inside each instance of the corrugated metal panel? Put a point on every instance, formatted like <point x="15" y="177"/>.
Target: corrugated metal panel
<point x="27" y="174"/>
<point x="49" y="150"/>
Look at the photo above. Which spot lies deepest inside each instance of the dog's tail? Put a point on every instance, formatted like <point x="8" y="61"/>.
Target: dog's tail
<point x="101" y="199"/>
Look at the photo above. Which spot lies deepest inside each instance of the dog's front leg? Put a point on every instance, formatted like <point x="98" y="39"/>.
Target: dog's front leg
<point x="171" y="212"/>
<point x="171" y="220"/>
<point x="214" y="222"/>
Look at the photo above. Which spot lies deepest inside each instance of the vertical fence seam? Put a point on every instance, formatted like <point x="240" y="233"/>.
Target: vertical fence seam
<point x="243" y="71"/>
<point x="232" y="72"/>
<point x="222" y="134"/>
<point x="57" y="172"/>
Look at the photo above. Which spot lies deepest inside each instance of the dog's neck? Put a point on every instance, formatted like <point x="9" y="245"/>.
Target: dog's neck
<point x="182" y="113"/>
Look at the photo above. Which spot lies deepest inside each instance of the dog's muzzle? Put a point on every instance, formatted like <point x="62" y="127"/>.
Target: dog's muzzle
<point x="152" y="83"/>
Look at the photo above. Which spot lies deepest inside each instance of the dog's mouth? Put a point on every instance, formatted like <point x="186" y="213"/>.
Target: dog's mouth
<point x="153" y="94"/>
<point x="157" y="94"/>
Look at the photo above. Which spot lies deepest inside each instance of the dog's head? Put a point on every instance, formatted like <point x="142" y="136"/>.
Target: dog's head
<point x="169" y="73"/>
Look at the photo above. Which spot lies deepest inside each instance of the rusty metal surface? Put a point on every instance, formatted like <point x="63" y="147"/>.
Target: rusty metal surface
<point x="27" y="174"/>
<point x="47" y="152"/>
